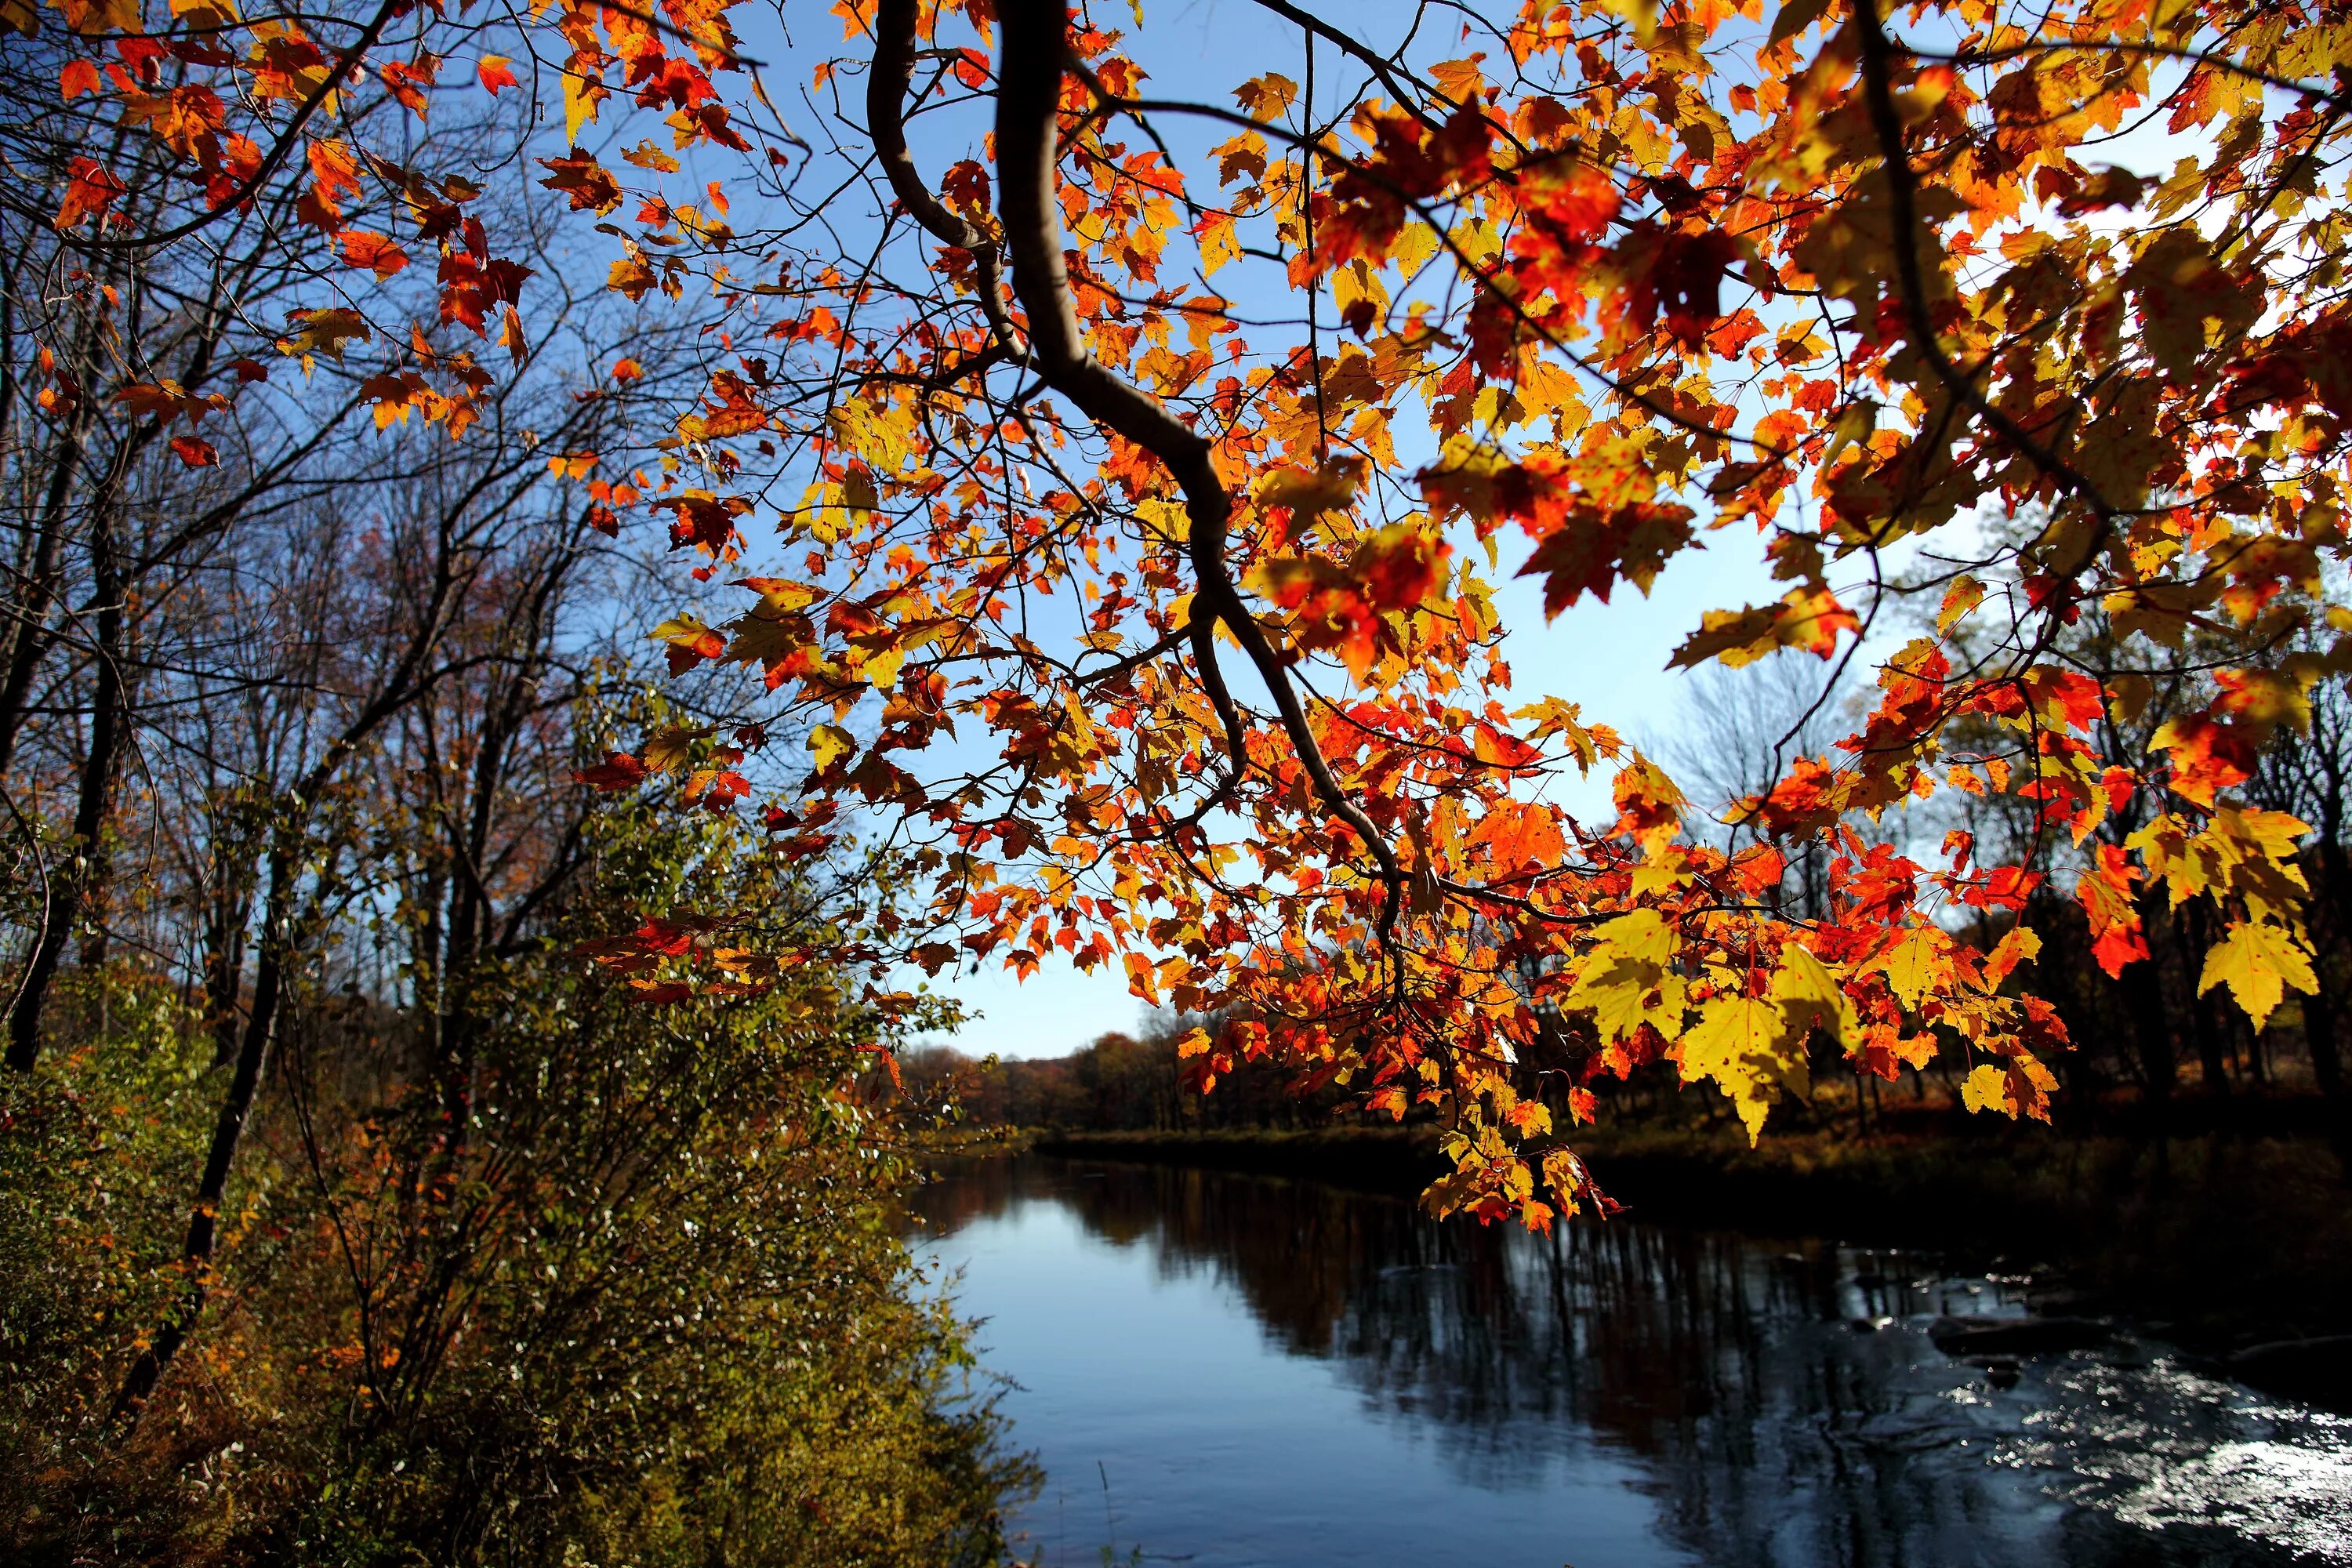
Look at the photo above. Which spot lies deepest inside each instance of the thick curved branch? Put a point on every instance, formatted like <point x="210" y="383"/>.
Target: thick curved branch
<point x="1213" y="681"/>
<point x="885" y="97"/>
<point x="885" y="102"/>
<point x="1028" y="95"/>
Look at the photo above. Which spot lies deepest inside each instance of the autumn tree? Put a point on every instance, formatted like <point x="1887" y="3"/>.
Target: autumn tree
<point x="1119" y="481"/>
<point x="656" y="1302"/>
<point x="1116" y="493"/>
<point x="208" y="326"/>
<point x="324" y="1149"/>
<point x="270" y="485"/>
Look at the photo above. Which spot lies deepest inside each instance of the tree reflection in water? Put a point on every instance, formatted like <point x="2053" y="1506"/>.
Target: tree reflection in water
<point x="1779" y="1399"/>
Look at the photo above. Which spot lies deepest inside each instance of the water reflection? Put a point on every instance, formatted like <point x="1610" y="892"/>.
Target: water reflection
<point x="1625" y="1394"/>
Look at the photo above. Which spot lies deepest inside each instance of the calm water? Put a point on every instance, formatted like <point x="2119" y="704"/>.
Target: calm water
<point x="1226" y="1371"/>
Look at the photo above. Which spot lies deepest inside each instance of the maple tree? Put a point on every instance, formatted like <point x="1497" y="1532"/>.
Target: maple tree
<point x="1162" y="643"/>
<point x="1119" y="526"/>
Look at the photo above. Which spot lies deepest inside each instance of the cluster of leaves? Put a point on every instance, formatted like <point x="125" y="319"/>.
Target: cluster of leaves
<point x="303" y="130"/>
<point x="1631" y="276"/>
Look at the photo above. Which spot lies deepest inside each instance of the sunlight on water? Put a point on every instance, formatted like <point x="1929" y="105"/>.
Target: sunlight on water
<point x="2165" y="1449"/>
<point x="2297" y="1497"/>
<point x="2161" y="1447"/>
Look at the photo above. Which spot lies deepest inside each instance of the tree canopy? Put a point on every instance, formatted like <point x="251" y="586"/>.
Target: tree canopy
<point x="1109" y="490"/>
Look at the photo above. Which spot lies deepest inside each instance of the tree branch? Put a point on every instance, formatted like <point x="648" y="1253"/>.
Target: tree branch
<point x="1903" y="208"/>
<point x="886" y="98"/>
<point x="280" y="151"/>
<point x="1028" y="96"/>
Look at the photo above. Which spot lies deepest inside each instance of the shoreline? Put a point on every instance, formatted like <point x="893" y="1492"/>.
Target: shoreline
<point x="1392" y="1162"/>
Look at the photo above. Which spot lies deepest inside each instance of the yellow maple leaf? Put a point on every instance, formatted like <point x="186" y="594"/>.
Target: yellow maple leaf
<point x="1985" y="1088"/>
<point x="829" y="742"/>
<point x="2018" y="1086"/>
<point x="581" y="93"/>
<point x="1624" y="994"/>
<point x="1965" y="594"/>
<point x="668" y="750"/>
<point x="2257" y="962"/>
<point x="1742" y="1044"/>
<point x="1220" y="243"/>
<point x="1642" y="935"/>
<point x="2019" y="945"/>
<point x="1805" y="617"/>
<point x="1268" y="96"/>
<point x="1915" y="963"/>
<point x="1809" y="997"/>
<point x="323" y="331"/>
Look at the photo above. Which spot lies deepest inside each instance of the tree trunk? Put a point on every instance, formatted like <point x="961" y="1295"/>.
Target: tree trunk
<point x="224" y="928"/>
<point x="204" y="1219"/>
<point x="2204" y="1026"/>
<point x="77" y="893"/>
<point x="2322" y="1018"/>
<point x="28" y="633"/>
<point x="2152" y="1038"/>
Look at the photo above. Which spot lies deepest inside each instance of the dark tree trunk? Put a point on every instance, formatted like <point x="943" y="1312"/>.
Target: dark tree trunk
<point x="2323" y="1011"/>
<point x="224" y="936"/>
<point x="2159" y="1069"/>
<point x="228" y="1131"/>
<point x="79" y="891"/>
<point x="2205" y="1027"/>
<point x="2322" y="1018"/>
<point x="28" y="633"/>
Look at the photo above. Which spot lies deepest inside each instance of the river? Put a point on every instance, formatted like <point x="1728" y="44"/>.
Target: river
<point x="1234" y="1371"/>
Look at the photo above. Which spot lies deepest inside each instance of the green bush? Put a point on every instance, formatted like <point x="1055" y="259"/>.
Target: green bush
<point x="649" y="1305"/>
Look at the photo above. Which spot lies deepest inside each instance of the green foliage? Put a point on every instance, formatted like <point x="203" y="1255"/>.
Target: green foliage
<point x="95" y="1161"/>
<point x="641" y="1299"/>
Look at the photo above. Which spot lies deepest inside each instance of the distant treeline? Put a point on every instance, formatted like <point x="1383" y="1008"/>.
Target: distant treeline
<point x="1116" y="1082"/>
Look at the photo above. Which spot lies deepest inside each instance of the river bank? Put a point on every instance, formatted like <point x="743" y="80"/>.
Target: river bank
<point x="2232" y="1246"/>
